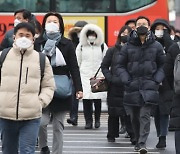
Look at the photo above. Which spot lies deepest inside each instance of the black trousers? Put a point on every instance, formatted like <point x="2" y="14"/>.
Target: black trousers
<point x="88" y="109"/>
<point x="75" y="105"/>
<point x="113" y="126"/>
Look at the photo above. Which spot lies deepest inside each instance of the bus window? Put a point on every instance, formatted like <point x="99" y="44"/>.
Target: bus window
<point x="33" y="6"/>
<point x="42" y="6"/>
<point x="123" y="6"/>
<point x="69" y="6"/>
<point x="83" y="6"/>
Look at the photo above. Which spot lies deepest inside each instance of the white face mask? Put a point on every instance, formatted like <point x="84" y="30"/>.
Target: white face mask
<point x="51" y="27"/>
<point x="16" y="22"/>
<point x="23" y="43"/>
<point x="36" y="36"/>
<point x="91" y="39"/>
<point x="159" y="33"/>
<point x="172" y="37"/>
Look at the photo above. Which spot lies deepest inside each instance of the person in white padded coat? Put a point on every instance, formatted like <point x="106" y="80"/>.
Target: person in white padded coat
<point x="90" y="52"/>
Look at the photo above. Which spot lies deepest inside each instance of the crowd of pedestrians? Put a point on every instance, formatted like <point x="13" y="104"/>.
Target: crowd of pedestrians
<point x="138" y="70"/>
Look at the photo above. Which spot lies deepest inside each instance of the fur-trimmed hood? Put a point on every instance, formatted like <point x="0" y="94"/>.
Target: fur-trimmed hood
<point x="73" y="31"/>
<point x="96" y="29"/>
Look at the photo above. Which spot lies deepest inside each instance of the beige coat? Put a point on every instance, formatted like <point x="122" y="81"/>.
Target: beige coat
<point x="20" y="85"/>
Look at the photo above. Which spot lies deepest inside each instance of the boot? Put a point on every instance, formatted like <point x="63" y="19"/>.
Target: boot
<point x="88" y="125"/>
<point x="45" y="150"/>
<point x="162" y="142"/>
<point x="72" y="121"/>
<point x="97" y="124"/>
<point x="97" y="113"/>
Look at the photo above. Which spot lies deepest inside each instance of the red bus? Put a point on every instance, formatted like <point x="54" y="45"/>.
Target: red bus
<point x="110" y="15"/>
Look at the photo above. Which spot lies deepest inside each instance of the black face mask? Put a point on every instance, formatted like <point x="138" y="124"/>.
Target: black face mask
<point x="142" y="30"/>
<point x="124" y="39"/>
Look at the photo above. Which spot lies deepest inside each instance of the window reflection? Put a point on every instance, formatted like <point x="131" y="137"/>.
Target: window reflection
<point x="75" y="6"/>
<point x="130" y="5"/>
<point x="32" y="5"/>
<point x="84" y="6"/>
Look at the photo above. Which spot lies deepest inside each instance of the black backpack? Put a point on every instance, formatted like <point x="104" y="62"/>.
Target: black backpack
<point x="42" y="60"/>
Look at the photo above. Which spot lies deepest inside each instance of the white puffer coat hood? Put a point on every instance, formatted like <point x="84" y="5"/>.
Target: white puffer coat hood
<point x="96" y="29"/>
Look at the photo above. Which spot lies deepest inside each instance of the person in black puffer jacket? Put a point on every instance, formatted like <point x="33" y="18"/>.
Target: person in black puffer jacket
<point x="116" y="90"/>
<point x="173" y="51"/>
<point x="140" y="68"/>
<point x="161" y="29"/>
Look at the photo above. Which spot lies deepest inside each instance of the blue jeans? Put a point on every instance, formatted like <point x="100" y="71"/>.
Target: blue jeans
<point x="161" y="123"/>
<point x="19" y="134"/>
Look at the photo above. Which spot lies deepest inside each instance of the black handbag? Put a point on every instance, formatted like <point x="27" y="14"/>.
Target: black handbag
<point x="98" y="84"/>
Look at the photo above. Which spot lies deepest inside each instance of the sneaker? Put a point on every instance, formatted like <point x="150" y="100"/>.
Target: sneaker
<point x="45" y="150"/>
<point x="127" y="135"/>
<point x="122" y="130"/>
<point x="136" y="147"/>
<point x="143" y="150"/>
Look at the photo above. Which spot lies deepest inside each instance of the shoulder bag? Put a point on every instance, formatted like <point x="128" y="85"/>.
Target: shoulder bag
<point x="63" y="86"/>
<point x="98" y="84"/>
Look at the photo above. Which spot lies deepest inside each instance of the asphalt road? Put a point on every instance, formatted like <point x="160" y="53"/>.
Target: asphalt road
<point x="77" y="140"/>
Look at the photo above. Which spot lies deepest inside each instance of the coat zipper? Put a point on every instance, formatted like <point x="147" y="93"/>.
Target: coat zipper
<point x="20" y="73"/>
<point x="26" y="75"/>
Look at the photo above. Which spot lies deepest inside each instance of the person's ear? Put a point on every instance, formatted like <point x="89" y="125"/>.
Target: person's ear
<point x="13" y="37"/>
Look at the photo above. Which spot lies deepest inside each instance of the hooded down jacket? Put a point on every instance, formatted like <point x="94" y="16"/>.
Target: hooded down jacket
<point x="89" y="60"/>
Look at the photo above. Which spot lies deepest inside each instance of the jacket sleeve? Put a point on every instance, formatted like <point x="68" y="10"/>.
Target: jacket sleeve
<point x="79" y="54"/>
<point x="160" y="59"/>
<point x="106" y="63"/>
<point x="47" y="85"/>
<point x="74" y="68"/>
<point x="121" y="60"/>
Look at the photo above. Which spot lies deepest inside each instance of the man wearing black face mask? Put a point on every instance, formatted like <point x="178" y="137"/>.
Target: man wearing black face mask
<point x="140" y="68"/>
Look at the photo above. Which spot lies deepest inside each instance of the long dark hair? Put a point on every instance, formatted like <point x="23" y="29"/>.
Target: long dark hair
<point x="61" y="23"/>
<point x="121" y="31"/>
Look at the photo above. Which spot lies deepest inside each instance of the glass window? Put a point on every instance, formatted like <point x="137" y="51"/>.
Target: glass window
<point x="83" y="6"/>
<point x="130" y="5"/>
<point x="31" y="5"/>
<point x="75" y="6"/>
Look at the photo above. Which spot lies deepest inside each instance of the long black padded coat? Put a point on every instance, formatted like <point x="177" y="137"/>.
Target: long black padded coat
<point x="140" y="67"/>
<point x="71" y="69"/>
<point x="173" y="51"/>
<point x="116" y="88"/>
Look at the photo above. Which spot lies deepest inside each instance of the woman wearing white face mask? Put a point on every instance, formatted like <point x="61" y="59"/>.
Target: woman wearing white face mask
<point x="90" y="54"/>
<point x="61" y="54"/>
<point x="161" y="29"/>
